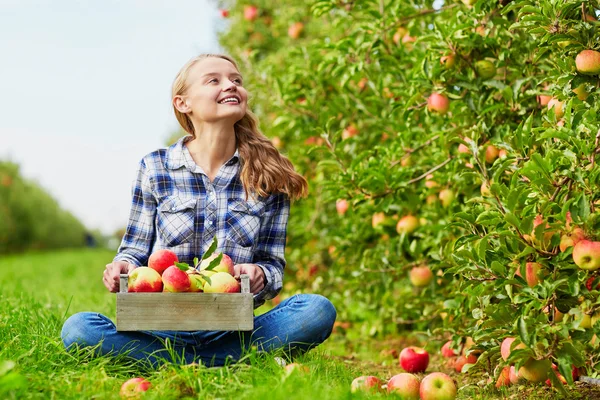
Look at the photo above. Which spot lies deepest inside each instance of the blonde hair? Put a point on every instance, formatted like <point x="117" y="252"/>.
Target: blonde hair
<point x="263" y="169"/>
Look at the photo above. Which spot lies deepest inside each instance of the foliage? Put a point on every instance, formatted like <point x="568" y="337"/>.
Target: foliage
<point x="347" y="102"/>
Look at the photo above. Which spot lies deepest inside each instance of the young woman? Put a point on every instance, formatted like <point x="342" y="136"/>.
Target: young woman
<point x="226" y="179"/>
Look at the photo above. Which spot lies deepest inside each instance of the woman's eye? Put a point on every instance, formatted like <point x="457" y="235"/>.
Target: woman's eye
<point x="238" y="81"/>
<point x="212" y="80"/>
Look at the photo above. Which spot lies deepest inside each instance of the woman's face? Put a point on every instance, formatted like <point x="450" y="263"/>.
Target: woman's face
<point x="211" y="81"/>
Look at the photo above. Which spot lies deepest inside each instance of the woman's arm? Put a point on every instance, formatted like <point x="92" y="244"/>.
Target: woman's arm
<point x="139" y="237"/>
<point x="270" y="249"/>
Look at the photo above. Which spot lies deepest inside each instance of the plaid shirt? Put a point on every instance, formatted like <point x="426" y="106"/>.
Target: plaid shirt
<point x="175" y="206"/>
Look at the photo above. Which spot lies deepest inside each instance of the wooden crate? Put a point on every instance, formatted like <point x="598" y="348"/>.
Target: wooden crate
<point x="185" y="311"/>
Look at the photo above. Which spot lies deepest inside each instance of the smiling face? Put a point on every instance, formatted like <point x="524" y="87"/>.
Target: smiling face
<point x="210" y="81"/>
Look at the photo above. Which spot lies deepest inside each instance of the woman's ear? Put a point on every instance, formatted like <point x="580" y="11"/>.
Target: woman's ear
<point x="181" y="104"/>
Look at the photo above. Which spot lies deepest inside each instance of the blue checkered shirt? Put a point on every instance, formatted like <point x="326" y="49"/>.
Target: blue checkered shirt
<point x="176" y="206"/>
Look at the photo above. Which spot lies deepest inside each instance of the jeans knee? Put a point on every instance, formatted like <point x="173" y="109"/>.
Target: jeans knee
<point x="76" y="330"/>
<point x="325" y="312"/>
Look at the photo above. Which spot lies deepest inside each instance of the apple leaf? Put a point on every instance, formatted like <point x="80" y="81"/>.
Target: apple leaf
<point x="211" y="249"/>
<point x="196" y="262"/>
<point x="214" y="263"/>
<point x="182" y="266"/>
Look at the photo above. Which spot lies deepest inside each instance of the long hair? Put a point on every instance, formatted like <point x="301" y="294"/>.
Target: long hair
<point x="263" y="169"/>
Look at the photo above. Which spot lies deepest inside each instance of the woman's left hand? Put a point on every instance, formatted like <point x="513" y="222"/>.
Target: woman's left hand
<point x="257" y="276"/>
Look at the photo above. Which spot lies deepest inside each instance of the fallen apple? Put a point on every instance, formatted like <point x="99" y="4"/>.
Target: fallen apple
<point x="414" y="359"/>
<point x="134" y="387"/>
<point x="437" y="386"/>
<point x="405" y="385"/>
<point x="367" y="383"/>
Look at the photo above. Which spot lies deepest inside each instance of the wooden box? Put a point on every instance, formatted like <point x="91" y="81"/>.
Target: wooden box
<point x="185" y="311"/>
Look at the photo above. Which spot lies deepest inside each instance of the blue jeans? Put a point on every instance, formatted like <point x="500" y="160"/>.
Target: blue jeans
<point x="297" y="324"/>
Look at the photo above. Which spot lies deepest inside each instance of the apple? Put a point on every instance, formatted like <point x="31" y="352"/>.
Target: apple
<point x="558" y="107"/>
<point x="438" y="102"/>
<point x="176" y="280"/>
<point x="295" y="30"/>
<point x="485" y="190"/>
<point x="420" y="276"/>
<point x="226" y="264"/>
<point x="133" y="387"/>
<point x="224" y="13"/>
<point x="502" y="153"/>
<point x="407" y="224"/>
<point x="367" y="383"/>
<point x="505" y="347"/>
<point x="581" y="92"/>
<point x="485" y="69"/>
<point x="448" y="61"/>
<point x="469" y="2"/>
<point x="429" y="182"/>
<point x="543" y="100"/>
<point x="400" y="33"/>
<point x="161" y="260"/>
<point x="144" y="279"/>
<point x="437" y="386"/>
<point x="586" y="255"/>
<point x="405" y="385"/>
<point x="350" y="131"/>
<point x="491" y="153"/>
<point x="535" y="370"/>
<point x="222" y="282"/>
<point x="463" y="149"/>
<point x="447" y="351"/>
<point x="587" y="62"/>
<point x="504" y="378"/>
<point x="571" y="239"/>
<point x="250" y="13"/>
<point x="446" y="197"/>
<point x="198" y="279"/>
<point x="533" y="273"/>
<point x="414" y="359"/>
<point x="295" y="368"/>
<point x="463" y="360"/>
<point x="341" y="205"/>
<point x="377" y="219"/>
<point x="590" y="282"/>
<point x="514" y="375"/>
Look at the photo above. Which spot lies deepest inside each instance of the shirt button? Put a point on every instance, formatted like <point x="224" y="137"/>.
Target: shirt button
<point x="209" y="222"/>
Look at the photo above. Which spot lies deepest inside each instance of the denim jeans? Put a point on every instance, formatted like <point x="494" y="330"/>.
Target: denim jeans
<point x="297" y="324"/>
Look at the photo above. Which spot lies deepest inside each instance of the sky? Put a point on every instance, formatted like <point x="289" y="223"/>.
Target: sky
<point x="85" y="92"/>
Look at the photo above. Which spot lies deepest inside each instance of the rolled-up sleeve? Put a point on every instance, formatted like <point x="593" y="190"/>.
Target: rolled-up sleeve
<point x="138" y="240"/>
<point x="270" y="249"/>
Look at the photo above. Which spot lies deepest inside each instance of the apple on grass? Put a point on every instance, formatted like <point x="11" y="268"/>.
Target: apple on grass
<point x="437" y="386"/>
<point x="367" y="383"/>
<point x="134" y="387"/>
<point x="504" y="378"/>
<point x="295" y="368"/>
<point x="414" y="359"/>
<point x="447" y="351"/>
<point x="586" y="255"/>
<point x="405" y="385"/>
<point x="144" y="279"/>
<point x="463" y="360"/>
<point x="162" y="259"/>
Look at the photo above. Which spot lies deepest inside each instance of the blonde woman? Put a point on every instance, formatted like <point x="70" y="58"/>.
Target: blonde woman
<point x="224" y="179"/>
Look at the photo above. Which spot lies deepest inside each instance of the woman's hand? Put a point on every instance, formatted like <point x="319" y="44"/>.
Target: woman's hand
<point x="257" y="276"/>
<point x="111" y="277"/>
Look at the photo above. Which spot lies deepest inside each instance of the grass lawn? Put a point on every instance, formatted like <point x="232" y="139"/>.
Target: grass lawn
<point x="38" y="291"/>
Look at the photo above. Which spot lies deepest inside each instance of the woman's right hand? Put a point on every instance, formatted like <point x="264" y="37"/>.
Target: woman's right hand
<point x="111" y="277"/>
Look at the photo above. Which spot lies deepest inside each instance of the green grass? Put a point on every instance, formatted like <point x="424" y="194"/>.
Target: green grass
<point x="38" y="291"/>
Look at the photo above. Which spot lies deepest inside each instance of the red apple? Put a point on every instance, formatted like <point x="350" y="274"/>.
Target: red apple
<point x="405" y="385"/>
<point x="144" y="279"/>
<point x="134" y="387"/>
<point x="447" y="351"/>
<point x="514" y="375"/>
<point x="161" y="260"/>
<point x="558" y="107"/>
<point x="295" y="30"/>
<point x="533" y="273"/>
<point x="414" y="359"/>
<point x="491" y="153"/>
<point x="438" y="102"/>
<point x="420" y="276"/>
<point x="341" y="205"/>
<point x="368" y="383"/>
<point x="175" y="280"/>
<point x="588" y="62"/>
<point x="250" y="13"/>
<point x="571" y="239"/>
<point x="504" y="378"/>
<point x="463" y="149"/>
<point x="222" y="282"/>
<point x="589" y="283"/>
<point x="505" y="347"/>
<point x="586" y="254"/>
<point x="350" y="131"/>
<point x="226" y="264"/>
<point x="544" y="100"/>
<point x="535" y="370"/>
<point x="463" y="360"/>
<point x="224" y="13"/>
<point x="407" y="224"/>
<point x="437" y="386"/>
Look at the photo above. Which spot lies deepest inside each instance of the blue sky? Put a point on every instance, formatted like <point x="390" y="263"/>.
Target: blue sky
<point x="85" y="92"/>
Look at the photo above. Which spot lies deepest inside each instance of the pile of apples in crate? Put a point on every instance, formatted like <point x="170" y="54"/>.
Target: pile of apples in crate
<point x="164" y="273"/>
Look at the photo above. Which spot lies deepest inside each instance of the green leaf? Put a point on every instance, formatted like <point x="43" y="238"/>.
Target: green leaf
<point x="214" y="263"/>
<point x="524" y="332"/>
<point x="182" y="266"/>
<point x="211" y="249"/>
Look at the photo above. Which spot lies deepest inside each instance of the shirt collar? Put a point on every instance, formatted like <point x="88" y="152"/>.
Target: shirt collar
<point x="178" y="155"/>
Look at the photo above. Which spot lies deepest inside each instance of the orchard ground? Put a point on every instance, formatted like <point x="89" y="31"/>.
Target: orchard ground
<point x="38" y="291"/>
